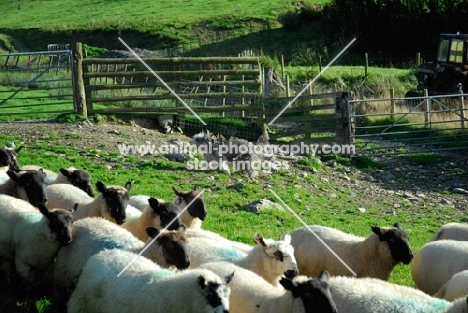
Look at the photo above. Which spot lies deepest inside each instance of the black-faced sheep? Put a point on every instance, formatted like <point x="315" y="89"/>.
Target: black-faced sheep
<point x="77" y="178"/>
<point x="437" y="262"/>
<point x="26" y="185"/>
<point x="31" y="238"/>
<point x="250" y="293"/>
<point x="373" y="256"/>
<point x="110" y="203"/>
<point x="92" y="235"/>
<point x="9" y="159"/>
<point x="371" y="295"/>
<point x="192" y="217"/>
<point x="157" y="214"/>
<point x="145" y="287"/>
<point x="268" y="258"/>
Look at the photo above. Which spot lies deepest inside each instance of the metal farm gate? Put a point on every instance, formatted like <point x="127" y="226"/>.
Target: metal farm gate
<point x="408" y="125"/>
<point x="37" y="82"/>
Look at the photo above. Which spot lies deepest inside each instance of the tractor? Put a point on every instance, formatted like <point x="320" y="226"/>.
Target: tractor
<point x="448" y="73"/>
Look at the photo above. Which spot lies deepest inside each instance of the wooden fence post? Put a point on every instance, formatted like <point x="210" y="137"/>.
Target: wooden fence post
<point x="345" y="123"/>
<point x="418" y="59"/>
<point x="366" y="65"/>
<point x="79" y="98"/>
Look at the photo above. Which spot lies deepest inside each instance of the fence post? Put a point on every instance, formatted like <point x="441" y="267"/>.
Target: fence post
<point x="79" y="98"/>
<point x="392" y="101"/>
<point x="462" y="109"/>
<point x="344" y="122"/>
<point x="366" y="65"/>
<point x="418" y="59"/>
<point x="288" y="91"/>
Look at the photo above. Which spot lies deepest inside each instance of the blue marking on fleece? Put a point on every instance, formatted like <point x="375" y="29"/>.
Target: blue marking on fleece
<point x="162" y="273"/>
<point x="34" y="217"/>
<point x="229" y="254"/>
<point x="50" y="178"/>
<point x="408" y="305"/>
<point x="110" y="244"/>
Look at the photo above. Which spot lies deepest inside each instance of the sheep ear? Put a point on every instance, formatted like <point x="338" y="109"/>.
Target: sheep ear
<point x="19" y="149"/>
<point x="228" y="278"/>
<point x="75" y="207"/>
<point x="43" y="209"/>
<point x="259" y="239"/>
<point x="178" y="192"/>
<point x="201" y="281"/>
<point x="13" y="175"/>
<point x="286" y="237"/>
<point x="128" y="186"/>
<point x="101" y="187"/>
<point x="398" y="225"/>
<point x="378" y="231"/>
<point x="152" y="232"/>
<point x="182" y="228"/>
<point x="154" y="204"/>
<point x="65" y="172"/>
<point x="324" y="276"/>
<point x="288" y="285"/>
<point x="196" y="188"/>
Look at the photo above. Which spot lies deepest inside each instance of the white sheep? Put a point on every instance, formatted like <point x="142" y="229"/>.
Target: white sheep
<point x="455" y="288"/>
<point x="373" y="256"/>
<point x="110" y="203"/>
<point x="203" y="233"/>
<point x="77" y="178"/>
<point x="92" y="235"/>
<point x="268" y="258"/>
<point x="372" y="295"/>
<point x="250" y="293"/>
<point x="451" y="231"/>
<point x="192" y="217"/>
<point x="145" y="287"/>
<point x="157" y="214"/>
<point x="437" y="262"/>
<point x="31" y="238"/>
<point x="26" y="185"/>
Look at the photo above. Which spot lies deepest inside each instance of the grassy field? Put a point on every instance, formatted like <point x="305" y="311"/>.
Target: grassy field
<point x="155" y="176"/>
<point x="138" y="14"/>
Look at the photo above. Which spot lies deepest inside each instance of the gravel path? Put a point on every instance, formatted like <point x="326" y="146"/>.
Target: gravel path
<point x="399" y="183"/>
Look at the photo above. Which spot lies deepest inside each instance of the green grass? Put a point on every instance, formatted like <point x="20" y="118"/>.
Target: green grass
<point x="138" y="14"/>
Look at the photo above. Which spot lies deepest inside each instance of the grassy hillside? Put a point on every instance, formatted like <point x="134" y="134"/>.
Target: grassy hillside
<point x="137" y="14"/>
<point x="218" y="27"/>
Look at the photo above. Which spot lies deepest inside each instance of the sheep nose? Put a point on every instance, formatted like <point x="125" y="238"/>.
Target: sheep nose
<point x="184" y="265"/>
<point x="291" y="273"/>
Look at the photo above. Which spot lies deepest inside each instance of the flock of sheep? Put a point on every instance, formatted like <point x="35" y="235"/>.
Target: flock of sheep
<point x="119" y="253"/>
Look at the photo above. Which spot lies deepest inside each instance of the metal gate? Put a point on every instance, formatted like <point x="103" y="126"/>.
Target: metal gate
<point x="408" y="125"/>
<point x="33" y="83"/>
